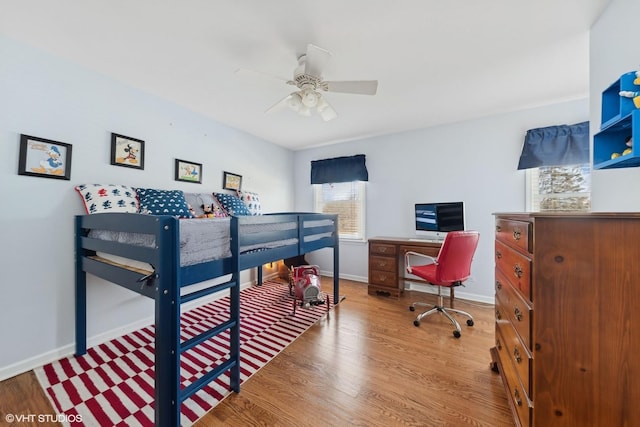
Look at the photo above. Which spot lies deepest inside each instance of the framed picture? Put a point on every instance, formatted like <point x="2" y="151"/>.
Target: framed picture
<point x="188" y="171"/>
<point x="231" y="181"/>
<point x="127" y="152"/>
<point x="44" y="158"/>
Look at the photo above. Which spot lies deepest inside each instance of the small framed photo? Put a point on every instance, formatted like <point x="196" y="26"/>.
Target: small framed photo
<point x="231" y="181"/>
<point x="127" y="151"/>
<point x="44" y="158"/>
<point x="188" y="171"/>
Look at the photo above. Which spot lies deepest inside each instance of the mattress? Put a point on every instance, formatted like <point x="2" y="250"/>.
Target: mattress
<point x="201" y="240"/>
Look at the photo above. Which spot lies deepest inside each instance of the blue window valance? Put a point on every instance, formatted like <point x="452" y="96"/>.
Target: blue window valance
<point x="339" y="169"/>
<point x="555" y="146"/>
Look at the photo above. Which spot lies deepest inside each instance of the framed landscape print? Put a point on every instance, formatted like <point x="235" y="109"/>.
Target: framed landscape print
<point x="44" y="158"/>
<point x="127" y="151"/>
<point x="188" y="171"/>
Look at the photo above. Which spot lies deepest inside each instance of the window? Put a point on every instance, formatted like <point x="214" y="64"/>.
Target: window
<point x="559" y="188"/>
<point x="347" y="200"/>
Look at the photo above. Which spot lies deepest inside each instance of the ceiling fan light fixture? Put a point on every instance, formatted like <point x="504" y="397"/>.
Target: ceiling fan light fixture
<point x="295" y="101"/>
<point x="310" y="98"/>
<point x="304" y="111"/>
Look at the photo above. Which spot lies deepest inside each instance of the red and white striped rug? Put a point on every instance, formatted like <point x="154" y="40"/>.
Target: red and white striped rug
<point x="113" y="384"/>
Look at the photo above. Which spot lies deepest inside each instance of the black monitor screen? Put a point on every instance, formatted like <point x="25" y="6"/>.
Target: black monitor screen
<point x="439" y="216"/>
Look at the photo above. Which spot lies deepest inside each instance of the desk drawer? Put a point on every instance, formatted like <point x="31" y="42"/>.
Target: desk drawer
<point x="383" y="278"/>
<point x="382" y="249"/>
<point x="382" y="263"/>
<point x="515" y="267"/>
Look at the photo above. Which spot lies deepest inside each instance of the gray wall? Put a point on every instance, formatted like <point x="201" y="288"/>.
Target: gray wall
<point x="50" y="98"/>
<point x="473" y="161"/>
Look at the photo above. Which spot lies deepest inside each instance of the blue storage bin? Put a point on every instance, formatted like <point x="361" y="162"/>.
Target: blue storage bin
<point x="614" y="106"/>
<point x="612" y="140"/>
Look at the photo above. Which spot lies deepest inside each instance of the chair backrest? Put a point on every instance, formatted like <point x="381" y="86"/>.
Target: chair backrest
<point x="455" y="256"/>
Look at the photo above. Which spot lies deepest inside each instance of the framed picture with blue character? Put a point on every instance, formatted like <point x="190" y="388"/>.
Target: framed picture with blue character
<point x="44" y="158"/>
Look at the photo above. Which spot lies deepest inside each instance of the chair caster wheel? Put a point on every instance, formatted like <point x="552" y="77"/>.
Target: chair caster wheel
<point x="456" y="334"/>
<point x="412" y="308"/>
<point x="469" y="322"/>
<point x="416" y="323"/>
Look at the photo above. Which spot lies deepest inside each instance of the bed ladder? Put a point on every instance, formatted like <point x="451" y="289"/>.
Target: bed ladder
<point x="169" y="393"/>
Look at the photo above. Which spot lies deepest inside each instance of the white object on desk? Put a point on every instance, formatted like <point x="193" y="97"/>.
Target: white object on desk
<point x="426" y="240"/>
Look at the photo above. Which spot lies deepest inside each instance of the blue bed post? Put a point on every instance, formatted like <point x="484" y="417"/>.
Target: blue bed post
<point x="234" y="333"/>
<point x="81" y="293"/>
<point x="167" y="325"/>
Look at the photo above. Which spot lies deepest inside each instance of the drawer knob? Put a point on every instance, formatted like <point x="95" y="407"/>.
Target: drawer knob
<point x="381" y="264"/>
<point x="498" y="315"/>
<point x="516" y="234"/>
<point x="517" y="313"/>
<point x="498" y="285"/>
<point x="498" y="228"/>
<point x="498" y="254"/>
<point x="518" y="399"/>
<point x="498" y="345"/>
<point x="518" y="271"/>
<point x="517" y="355"/>
<point x="383" y="278"/>
<point x="383" y="249"/>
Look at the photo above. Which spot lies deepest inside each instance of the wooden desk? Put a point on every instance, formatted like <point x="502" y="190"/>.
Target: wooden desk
<point x="386" y="263"/>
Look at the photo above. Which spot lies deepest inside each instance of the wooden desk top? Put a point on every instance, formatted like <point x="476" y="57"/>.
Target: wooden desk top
<point x="406" y="241"/>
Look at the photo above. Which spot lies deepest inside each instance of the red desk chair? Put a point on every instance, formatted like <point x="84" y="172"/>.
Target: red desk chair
<point x="451" y="268"/>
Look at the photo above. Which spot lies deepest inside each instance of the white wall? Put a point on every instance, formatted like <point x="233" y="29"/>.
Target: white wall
<point x="614" y="50"/>
<point x="473" y="161"/>
<point x="51" y="98"/>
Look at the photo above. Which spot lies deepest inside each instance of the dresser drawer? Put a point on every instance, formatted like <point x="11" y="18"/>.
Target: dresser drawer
<point x="515" y="267"/>
<point x="511" y="305"/>
<point x="382" y="263"/>
<point x="514" y="233"/>
<point x="516" y="353"/>
<point x="517" y="393"/>
<point x="382" y="249"/>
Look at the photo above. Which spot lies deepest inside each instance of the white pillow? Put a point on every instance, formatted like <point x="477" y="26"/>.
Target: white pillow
<point x="98" y="198"/>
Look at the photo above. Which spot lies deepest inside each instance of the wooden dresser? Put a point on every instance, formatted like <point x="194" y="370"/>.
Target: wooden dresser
<point x="386" y="262"/>
<point x="568" y="317"/>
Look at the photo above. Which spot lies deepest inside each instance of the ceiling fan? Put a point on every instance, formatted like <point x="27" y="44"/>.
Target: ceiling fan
<point x="307" y="77"/>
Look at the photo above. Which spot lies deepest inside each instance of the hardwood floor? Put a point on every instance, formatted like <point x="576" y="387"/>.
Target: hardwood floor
<point x="364" y="364"/>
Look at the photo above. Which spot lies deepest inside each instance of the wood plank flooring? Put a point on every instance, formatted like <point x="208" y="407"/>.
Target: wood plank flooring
<point x="365" y="364"/>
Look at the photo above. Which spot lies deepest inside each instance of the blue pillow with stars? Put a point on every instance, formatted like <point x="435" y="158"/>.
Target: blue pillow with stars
<point x="232" y="204"/>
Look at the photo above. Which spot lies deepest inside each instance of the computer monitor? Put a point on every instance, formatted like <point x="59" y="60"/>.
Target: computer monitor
<point x="435" y="220"/>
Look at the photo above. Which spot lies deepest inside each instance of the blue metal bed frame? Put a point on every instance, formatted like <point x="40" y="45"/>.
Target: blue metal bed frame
<point x="168" y="278"/>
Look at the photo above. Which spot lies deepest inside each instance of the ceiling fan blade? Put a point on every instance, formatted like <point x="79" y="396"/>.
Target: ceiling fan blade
<point x="315" y="60"/>
<point x="361" y="87"/>
<point x="248" y="72"/>
<point x="283" y="103"/>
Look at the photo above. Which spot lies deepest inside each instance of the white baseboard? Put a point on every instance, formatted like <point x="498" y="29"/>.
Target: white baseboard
<point x="26" y="365"/>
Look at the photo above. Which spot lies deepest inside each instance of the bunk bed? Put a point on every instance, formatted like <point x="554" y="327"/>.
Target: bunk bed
<point x="250" y="241"/>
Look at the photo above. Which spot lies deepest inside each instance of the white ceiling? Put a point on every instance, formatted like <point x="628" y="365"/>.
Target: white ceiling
<point x="436" y="61"/>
